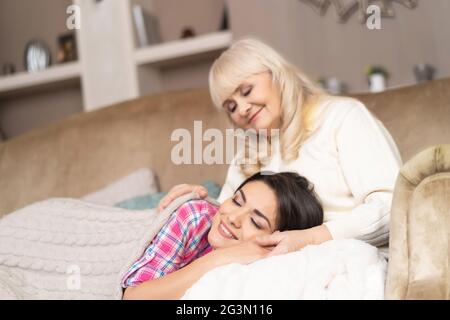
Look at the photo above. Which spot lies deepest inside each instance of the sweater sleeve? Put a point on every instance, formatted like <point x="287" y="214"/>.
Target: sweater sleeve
<point x="370" y="163"/>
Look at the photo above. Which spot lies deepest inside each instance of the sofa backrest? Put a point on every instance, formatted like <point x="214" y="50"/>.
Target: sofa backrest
<point x="416" y="116"/>
<point x="86" y="152"/>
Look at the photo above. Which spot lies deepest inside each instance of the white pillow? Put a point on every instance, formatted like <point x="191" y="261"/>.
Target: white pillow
<point x="138" y="183"/>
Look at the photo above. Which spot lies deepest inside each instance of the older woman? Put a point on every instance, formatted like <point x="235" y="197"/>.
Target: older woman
<point x="335" y="142"/>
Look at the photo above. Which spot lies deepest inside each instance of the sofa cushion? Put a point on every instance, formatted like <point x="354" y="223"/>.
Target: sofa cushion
<point x="150" y="201"/>
<point x="138" y="183"/>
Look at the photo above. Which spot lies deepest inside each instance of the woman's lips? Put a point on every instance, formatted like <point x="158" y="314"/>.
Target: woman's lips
<point x="254" y="116"/>
<point x="226" y="232"/>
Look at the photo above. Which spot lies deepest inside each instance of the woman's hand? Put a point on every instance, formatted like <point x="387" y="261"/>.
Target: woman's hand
<point x="180" y="190"/>
<point x="294" y="240"/>
<point x="243" y="253"/>
<point x="175" y="284"/>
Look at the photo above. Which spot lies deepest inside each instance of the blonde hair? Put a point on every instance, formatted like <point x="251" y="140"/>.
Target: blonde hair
<point x="299" y="95"/>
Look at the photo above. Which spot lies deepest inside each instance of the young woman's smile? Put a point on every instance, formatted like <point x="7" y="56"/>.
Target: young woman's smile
<point x="226" y="232"/>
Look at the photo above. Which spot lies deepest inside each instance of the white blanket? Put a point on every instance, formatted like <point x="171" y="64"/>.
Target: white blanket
<point x="341" y="269"/>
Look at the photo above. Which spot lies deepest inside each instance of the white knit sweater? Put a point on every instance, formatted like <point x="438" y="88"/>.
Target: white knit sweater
<point x="353" y="163"/>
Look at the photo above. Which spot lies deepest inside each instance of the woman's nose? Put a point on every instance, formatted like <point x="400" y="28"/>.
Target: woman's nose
<point x="236" y="217"/>
<point x="244" y="108"/>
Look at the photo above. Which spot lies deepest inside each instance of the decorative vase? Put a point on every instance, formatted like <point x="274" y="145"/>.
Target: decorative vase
<point x="424" y="72"/>
<point x="377" y="82"/>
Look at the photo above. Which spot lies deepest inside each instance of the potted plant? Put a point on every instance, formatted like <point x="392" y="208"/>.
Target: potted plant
<point x="377" y="76"/>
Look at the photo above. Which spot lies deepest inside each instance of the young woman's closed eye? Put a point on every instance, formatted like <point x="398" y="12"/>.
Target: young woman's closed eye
<point x="238" y="201"/>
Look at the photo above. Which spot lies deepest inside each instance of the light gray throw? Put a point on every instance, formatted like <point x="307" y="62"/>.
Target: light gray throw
<point x="70" y="249"/>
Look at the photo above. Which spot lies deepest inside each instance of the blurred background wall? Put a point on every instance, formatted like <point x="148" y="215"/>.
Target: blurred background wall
<point x="319" y="45"/>
<point x="323" y="47"/>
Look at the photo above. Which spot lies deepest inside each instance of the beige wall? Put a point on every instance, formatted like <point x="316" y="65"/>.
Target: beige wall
<point x="319" y="45"/>
<point x="323" y="47"/>
<point x="19" y="114"/>
<point x="20" y="21"/>
<point x="204" y="16"/>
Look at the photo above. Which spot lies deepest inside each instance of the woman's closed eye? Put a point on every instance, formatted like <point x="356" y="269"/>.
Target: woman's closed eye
<point x="246" y="91"/>
<point x="231" y="106"/>
<point x="255" y="224"/>
<point x="236" y="201"/>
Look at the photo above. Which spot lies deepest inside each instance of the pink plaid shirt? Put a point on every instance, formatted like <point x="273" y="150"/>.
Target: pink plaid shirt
<point x="183" y="239"/>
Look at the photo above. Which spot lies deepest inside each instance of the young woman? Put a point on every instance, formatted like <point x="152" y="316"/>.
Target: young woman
<point x="335" y="142"/>
<point x="200" y="236"/>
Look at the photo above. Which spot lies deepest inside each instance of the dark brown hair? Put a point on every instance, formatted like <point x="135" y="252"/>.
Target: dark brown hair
<point x="297" y="203"/>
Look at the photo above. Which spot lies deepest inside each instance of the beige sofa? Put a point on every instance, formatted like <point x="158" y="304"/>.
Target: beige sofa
<point x="419" y="242"/>
<point x="87" y="151"/>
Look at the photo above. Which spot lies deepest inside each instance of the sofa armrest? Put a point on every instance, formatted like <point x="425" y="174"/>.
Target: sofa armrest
<point x="419" y="230"/>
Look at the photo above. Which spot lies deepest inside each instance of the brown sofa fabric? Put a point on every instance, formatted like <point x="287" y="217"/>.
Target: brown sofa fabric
<point x="419" y="248"/>
<point x="88" y="151"/>
<point x="418" y="117"/>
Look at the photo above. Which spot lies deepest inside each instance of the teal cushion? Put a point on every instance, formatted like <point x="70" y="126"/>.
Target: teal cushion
<point x="150" y="201"/>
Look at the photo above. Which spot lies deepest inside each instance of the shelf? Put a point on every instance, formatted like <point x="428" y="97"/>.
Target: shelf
<point x="24" y="81"/>
<point x="179" y="50"/>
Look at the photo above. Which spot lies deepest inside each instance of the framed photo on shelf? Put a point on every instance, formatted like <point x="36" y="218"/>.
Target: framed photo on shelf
<point x="67" y="48"/>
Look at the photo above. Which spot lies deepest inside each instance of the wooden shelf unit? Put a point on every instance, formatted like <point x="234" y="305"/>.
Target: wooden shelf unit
<point x="24" y="81"/>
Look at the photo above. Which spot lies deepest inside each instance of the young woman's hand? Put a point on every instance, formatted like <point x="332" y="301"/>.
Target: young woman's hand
<point x="180" y="190"/>
<point x="243" y="253"/>
<point x="175" y="284"/>
<point x="294" y="240"/>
